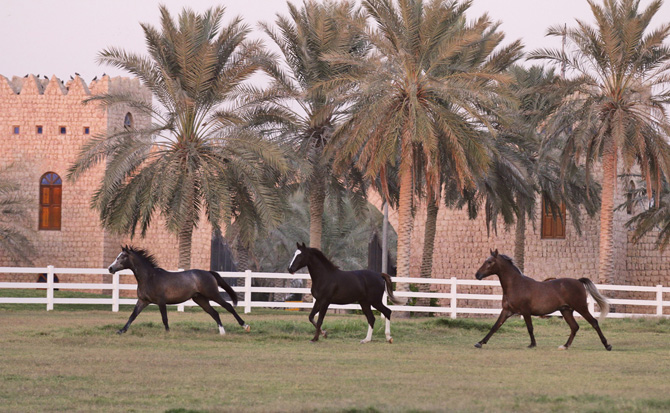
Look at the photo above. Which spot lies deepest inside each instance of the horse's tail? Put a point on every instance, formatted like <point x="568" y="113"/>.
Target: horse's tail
<point x="223" y="284"/>
<point x="389" y="289"/>
<point x="602" y="301"/>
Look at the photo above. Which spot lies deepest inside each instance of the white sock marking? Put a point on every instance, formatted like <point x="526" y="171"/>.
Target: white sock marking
<point x="368" y="338"/>
<point x="222" y="331"/>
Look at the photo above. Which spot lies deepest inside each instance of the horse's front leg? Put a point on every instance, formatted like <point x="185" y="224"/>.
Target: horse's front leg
<point x="163" y="309"/>
<point x="315" y="309"/>
<point x="322" y="313"/>
<point x="504" y="315"/>
<point x="139" y="306"/>
<point x="529" y="326"/>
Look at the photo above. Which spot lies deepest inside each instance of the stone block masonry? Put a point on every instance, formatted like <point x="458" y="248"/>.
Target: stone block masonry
<point x="41" y="108"/>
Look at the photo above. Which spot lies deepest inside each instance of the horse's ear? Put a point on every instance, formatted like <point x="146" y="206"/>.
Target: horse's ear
<point x="303" y="245"/>
<point x="495" y="253"/>
<point x="297" y="244"/>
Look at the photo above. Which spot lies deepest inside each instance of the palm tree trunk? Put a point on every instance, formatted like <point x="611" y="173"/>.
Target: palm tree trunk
<point x="606" y="263"/>
<point x="184" y="239"/>
<point x="428" y="248"/>
<point x="405" y="220"/>
<point x="317" y="198"/>
<point x="520" y="239"/>
<point x="242" y="257"/>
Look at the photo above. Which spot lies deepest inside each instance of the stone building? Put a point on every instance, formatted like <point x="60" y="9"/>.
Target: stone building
<point x="43" y="124"/>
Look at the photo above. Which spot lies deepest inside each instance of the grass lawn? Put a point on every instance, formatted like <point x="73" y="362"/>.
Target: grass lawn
<point x="74" y="361"/>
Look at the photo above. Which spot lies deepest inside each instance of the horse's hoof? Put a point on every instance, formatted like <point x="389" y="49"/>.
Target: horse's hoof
<point x="562" y="348"/>
<point x="389" y="340"/>
<point x="532" y="345"/>
<point x="478" y="345"/>
<point x="120" y="332"/>
<point x="364" y="341"/>
<point x="608" y="347"/>
<point x="313" y="341"/>
<point x="247" y="328"/>
<point x="324" y="333"/>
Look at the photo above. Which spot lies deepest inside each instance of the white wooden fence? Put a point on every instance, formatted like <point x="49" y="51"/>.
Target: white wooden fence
<point x="453" y="297"/>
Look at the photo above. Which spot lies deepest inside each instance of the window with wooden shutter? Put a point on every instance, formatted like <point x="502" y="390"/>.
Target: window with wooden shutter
<point x="51" y="190"/>
<point x="553" y="222"/>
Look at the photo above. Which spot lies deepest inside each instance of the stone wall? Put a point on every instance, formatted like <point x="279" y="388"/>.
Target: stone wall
<point x="81" y="242"/>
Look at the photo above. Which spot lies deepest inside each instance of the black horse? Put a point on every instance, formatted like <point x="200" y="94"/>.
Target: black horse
<point x="330" y="285"/>
<point x="157" y="286"/>
<point x="525" y="296"/>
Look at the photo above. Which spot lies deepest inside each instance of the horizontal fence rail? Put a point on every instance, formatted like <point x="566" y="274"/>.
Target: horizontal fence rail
<point x="449" y="300"/>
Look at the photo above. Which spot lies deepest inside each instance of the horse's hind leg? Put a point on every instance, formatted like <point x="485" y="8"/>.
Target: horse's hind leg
<point x="574" y="327"/>
<point x="163" y="309"/>
<point x="225" y="304"/>
<point x="594" y="323"/>
<point x="529" y="326"/>
<point x="371" y="321"/>
<point x="139" y="306"/>
<point x="504" y="315"/>
<point x="386" y="314"/>
<point x="204" y="304"/>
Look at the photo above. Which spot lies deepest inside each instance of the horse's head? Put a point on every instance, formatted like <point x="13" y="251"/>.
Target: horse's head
<point x="300" y="258"/>
<point x="489" y="267"/>
<point x="121" y="262"/>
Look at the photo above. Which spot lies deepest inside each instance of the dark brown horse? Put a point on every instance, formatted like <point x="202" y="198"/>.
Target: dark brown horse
<point x="157" y="286"/>
<point x="330" y="285"/>
<point x="527" y="297"/>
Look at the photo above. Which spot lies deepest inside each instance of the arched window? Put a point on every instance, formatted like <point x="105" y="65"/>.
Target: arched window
<point x="51" y="189"/>
<point x="128" y="121"/>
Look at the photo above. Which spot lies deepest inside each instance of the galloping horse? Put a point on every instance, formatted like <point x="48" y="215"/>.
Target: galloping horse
<point x="157" y="286"/>
<point x="525" y="296"/>
<point x="330" y="285"/>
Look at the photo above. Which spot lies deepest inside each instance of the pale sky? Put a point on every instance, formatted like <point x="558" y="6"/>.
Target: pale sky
<point x="62" y="37"/>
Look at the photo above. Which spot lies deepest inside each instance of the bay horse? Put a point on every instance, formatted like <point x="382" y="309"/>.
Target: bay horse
<point x="158" y="286"/>
<point x="527" y="297"/>
<point x="330" y="285"/>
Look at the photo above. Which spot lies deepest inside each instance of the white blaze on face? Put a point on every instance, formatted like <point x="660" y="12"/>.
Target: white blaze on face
<point x="297" y="252"/>
<point x="116" y="260"/>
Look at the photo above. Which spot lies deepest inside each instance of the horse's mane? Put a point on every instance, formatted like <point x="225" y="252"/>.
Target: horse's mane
<point x="511" y="261"/>
<point x="142" y="253"/>
<point x="322" y="257"/>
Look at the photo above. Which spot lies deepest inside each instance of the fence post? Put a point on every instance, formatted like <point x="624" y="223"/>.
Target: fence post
<point x="50" y="287"/>
<point x="180" y="307"/>
<point x="115" y="292"/>
<point x="453" y="297"/>
<point x="659" y="300"/>
<point x="247" y="291"/>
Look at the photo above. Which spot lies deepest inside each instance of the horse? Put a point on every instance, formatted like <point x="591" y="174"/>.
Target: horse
<point x="525" y="296"/>
<point x="157" y="286"/>
<point x="330" y="285"/>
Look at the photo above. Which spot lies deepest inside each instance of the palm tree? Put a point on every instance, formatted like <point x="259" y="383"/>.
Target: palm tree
<point x="530" y="162"/>
<point x="299" y="107"/>
<point x="407" y="101"/>
<point x="15" y="234"/>
<point x="617" y="113"/>
<point x="476" y="57"/>
<point x="184" y="164"/>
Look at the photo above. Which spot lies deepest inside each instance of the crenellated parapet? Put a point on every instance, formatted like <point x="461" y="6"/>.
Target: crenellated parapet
<point x="31" y="85"/>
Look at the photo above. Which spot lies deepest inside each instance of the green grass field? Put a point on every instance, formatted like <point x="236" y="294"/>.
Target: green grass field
<point x="74" y="361"/>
